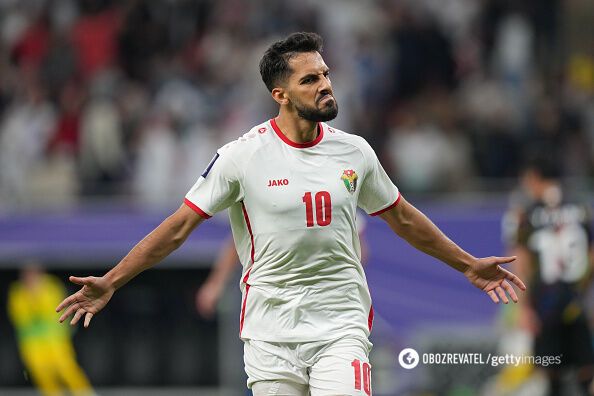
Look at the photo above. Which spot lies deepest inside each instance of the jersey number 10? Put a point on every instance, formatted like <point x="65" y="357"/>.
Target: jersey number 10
<point x="323" y="208"/>
<point x="366" y="376"/>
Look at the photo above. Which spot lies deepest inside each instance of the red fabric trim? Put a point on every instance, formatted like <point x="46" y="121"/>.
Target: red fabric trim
<point x="370" y="319"/>
<point x="249" y="227"/>
<point x="379" y="212"/>
<point x="247" y="290"/>
<point x="295" y="144"/>
<point x="247" y="274"/>
<point x="196" y="209"/>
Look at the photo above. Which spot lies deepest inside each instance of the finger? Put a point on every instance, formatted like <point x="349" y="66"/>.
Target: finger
<point x="71" y="309"/>
<point x="80" y="281"/>
<point x="510" y="290"/>
<point x="504" y="260"/>
<point x="514" y="278"/>
<point x="66" y="302"/>
<point x="493" y="296"/>
<point x="77" y="316"/>
<point x="88" y="318"/>
<point x="502" y="295"/>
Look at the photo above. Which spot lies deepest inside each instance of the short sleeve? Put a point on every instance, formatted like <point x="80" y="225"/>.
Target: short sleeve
<point x="218" y="187"/>
<point x="378" y="193"/>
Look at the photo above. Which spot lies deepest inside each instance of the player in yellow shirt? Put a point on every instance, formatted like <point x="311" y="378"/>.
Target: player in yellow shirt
<point x="45" y="345"/>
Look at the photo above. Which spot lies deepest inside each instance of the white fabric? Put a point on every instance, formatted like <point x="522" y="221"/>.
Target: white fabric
<point x="279" y="388"/>
<point x="324" y="367"/>
<point x="306" y="283"/>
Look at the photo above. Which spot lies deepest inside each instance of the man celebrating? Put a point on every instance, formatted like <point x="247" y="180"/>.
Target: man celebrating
<point x="292" y="186"/>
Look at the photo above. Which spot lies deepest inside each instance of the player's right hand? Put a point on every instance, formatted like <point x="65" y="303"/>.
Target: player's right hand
<point x="88" y="301"/>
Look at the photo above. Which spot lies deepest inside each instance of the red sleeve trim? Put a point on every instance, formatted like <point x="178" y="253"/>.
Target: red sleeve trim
<point x="197" y="209"/>
<point x="379" y="212"/>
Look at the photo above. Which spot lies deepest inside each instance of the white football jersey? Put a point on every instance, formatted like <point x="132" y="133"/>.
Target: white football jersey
<point x="292" y="208"/>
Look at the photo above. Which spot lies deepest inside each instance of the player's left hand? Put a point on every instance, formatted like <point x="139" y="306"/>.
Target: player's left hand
<point x="487" y="274"/>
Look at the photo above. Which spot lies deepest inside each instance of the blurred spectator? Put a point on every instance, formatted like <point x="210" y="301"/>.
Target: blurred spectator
<point x="156" y="161"/>
<point x="102" y="158"/>
<point x="142" y="38"/>
<point x="424" y="56"/>
<point x="495" y="63"/>
<point x="488" y="114"/>
<point x="44" y="344"/>
<point x="67" y="131"/>
<point x="428" y="154"/>
<point x="30" y="50"/>
<point x="24" y="134"/>
<point x="94" y="36"/>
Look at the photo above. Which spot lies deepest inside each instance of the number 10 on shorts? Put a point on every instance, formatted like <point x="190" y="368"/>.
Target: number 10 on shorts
<point x="366" y="374"/>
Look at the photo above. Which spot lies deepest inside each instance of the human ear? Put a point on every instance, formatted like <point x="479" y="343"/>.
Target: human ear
<point x="280" y="96"/>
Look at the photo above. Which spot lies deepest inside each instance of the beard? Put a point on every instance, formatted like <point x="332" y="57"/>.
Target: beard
<point x="313" y="114"/>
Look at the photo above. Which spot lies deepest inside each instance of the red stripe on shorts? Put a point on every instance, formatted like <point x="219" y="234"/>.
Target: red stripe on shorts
<point x="370" y="318"/>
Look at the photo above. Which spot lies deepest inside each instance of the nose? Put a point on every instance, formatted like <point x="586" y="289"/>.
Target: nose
<point x="325" y="85"/>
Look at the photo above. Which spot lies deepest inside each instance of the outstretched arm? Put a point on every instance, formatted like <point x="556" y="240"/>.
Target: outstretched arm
<point x="485" y="273"/>
<point x="96" y="292"/>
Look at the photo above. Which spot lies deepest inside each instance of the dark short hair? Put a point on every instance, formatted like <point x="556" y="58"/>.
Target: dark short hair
<point x="274" y="65"/>
<point x="543" y="162"/>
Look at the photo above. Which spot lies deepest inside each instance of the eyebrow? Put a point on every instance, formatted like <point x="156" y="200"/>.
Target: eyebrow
<point x="309" y="75"/>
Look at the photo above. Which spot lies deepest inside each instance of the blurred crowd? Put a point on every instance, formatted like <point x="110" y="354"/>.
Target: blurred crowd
<point x="132" y="98"/>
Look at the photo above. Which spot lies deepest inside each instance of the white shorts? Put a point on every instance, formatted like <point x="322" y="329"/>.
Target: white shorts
<point x="322" y="368"/>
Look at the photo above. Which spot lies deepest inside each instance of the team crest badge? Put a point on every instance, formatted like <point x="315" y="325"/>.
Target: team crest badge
<point x="349" y="178"/>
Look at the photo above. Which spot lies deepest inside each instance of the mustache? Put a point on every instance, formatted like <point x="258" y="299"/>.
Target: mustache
<point x="323" y="95"/>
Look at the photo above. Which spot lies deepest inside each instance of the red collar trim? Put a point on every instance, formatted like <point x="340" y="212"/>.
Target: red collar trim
<point x="294" y="144"/>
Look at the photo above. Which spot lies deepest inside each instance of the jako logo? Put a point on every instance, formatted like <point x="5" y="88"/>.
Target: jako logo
<point x="277" y="182"/>
<point x="408" y="358"/>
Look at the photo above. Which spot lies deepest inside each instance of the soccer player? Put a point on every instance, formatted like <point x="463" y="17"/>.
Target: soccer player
<point x="552" y="238"/>
<point x="45" y="347"/>
<point x="292" y="185"/>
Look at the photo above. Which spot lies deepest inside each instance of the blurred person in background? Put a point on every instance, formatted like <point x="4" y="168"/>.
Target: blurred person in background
<point x="551" y="236"/>
<point x="25" y="131"/>
<point x="45" y="346"/>
<point x="307" y="321"/>
<point x="487" y="59"/>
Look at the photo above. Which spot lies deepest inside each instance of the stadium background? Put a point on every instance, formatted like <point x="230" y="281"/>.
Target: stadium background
<point x="109" y="110"/>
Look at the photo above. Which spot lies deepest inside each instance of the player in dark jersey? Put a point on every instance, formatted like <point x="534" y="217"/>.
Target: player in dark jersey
<point x="551" y="236"/>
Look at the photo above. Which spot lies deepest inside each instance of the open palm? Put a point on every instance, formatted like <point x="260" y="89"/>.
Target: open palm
<point x="90" y="299"/>
<point x="489" y="276"/>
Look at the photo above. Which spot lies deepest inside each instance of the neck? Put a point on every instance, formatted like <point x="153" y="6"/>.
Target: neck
<point x="295" y="128"/>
